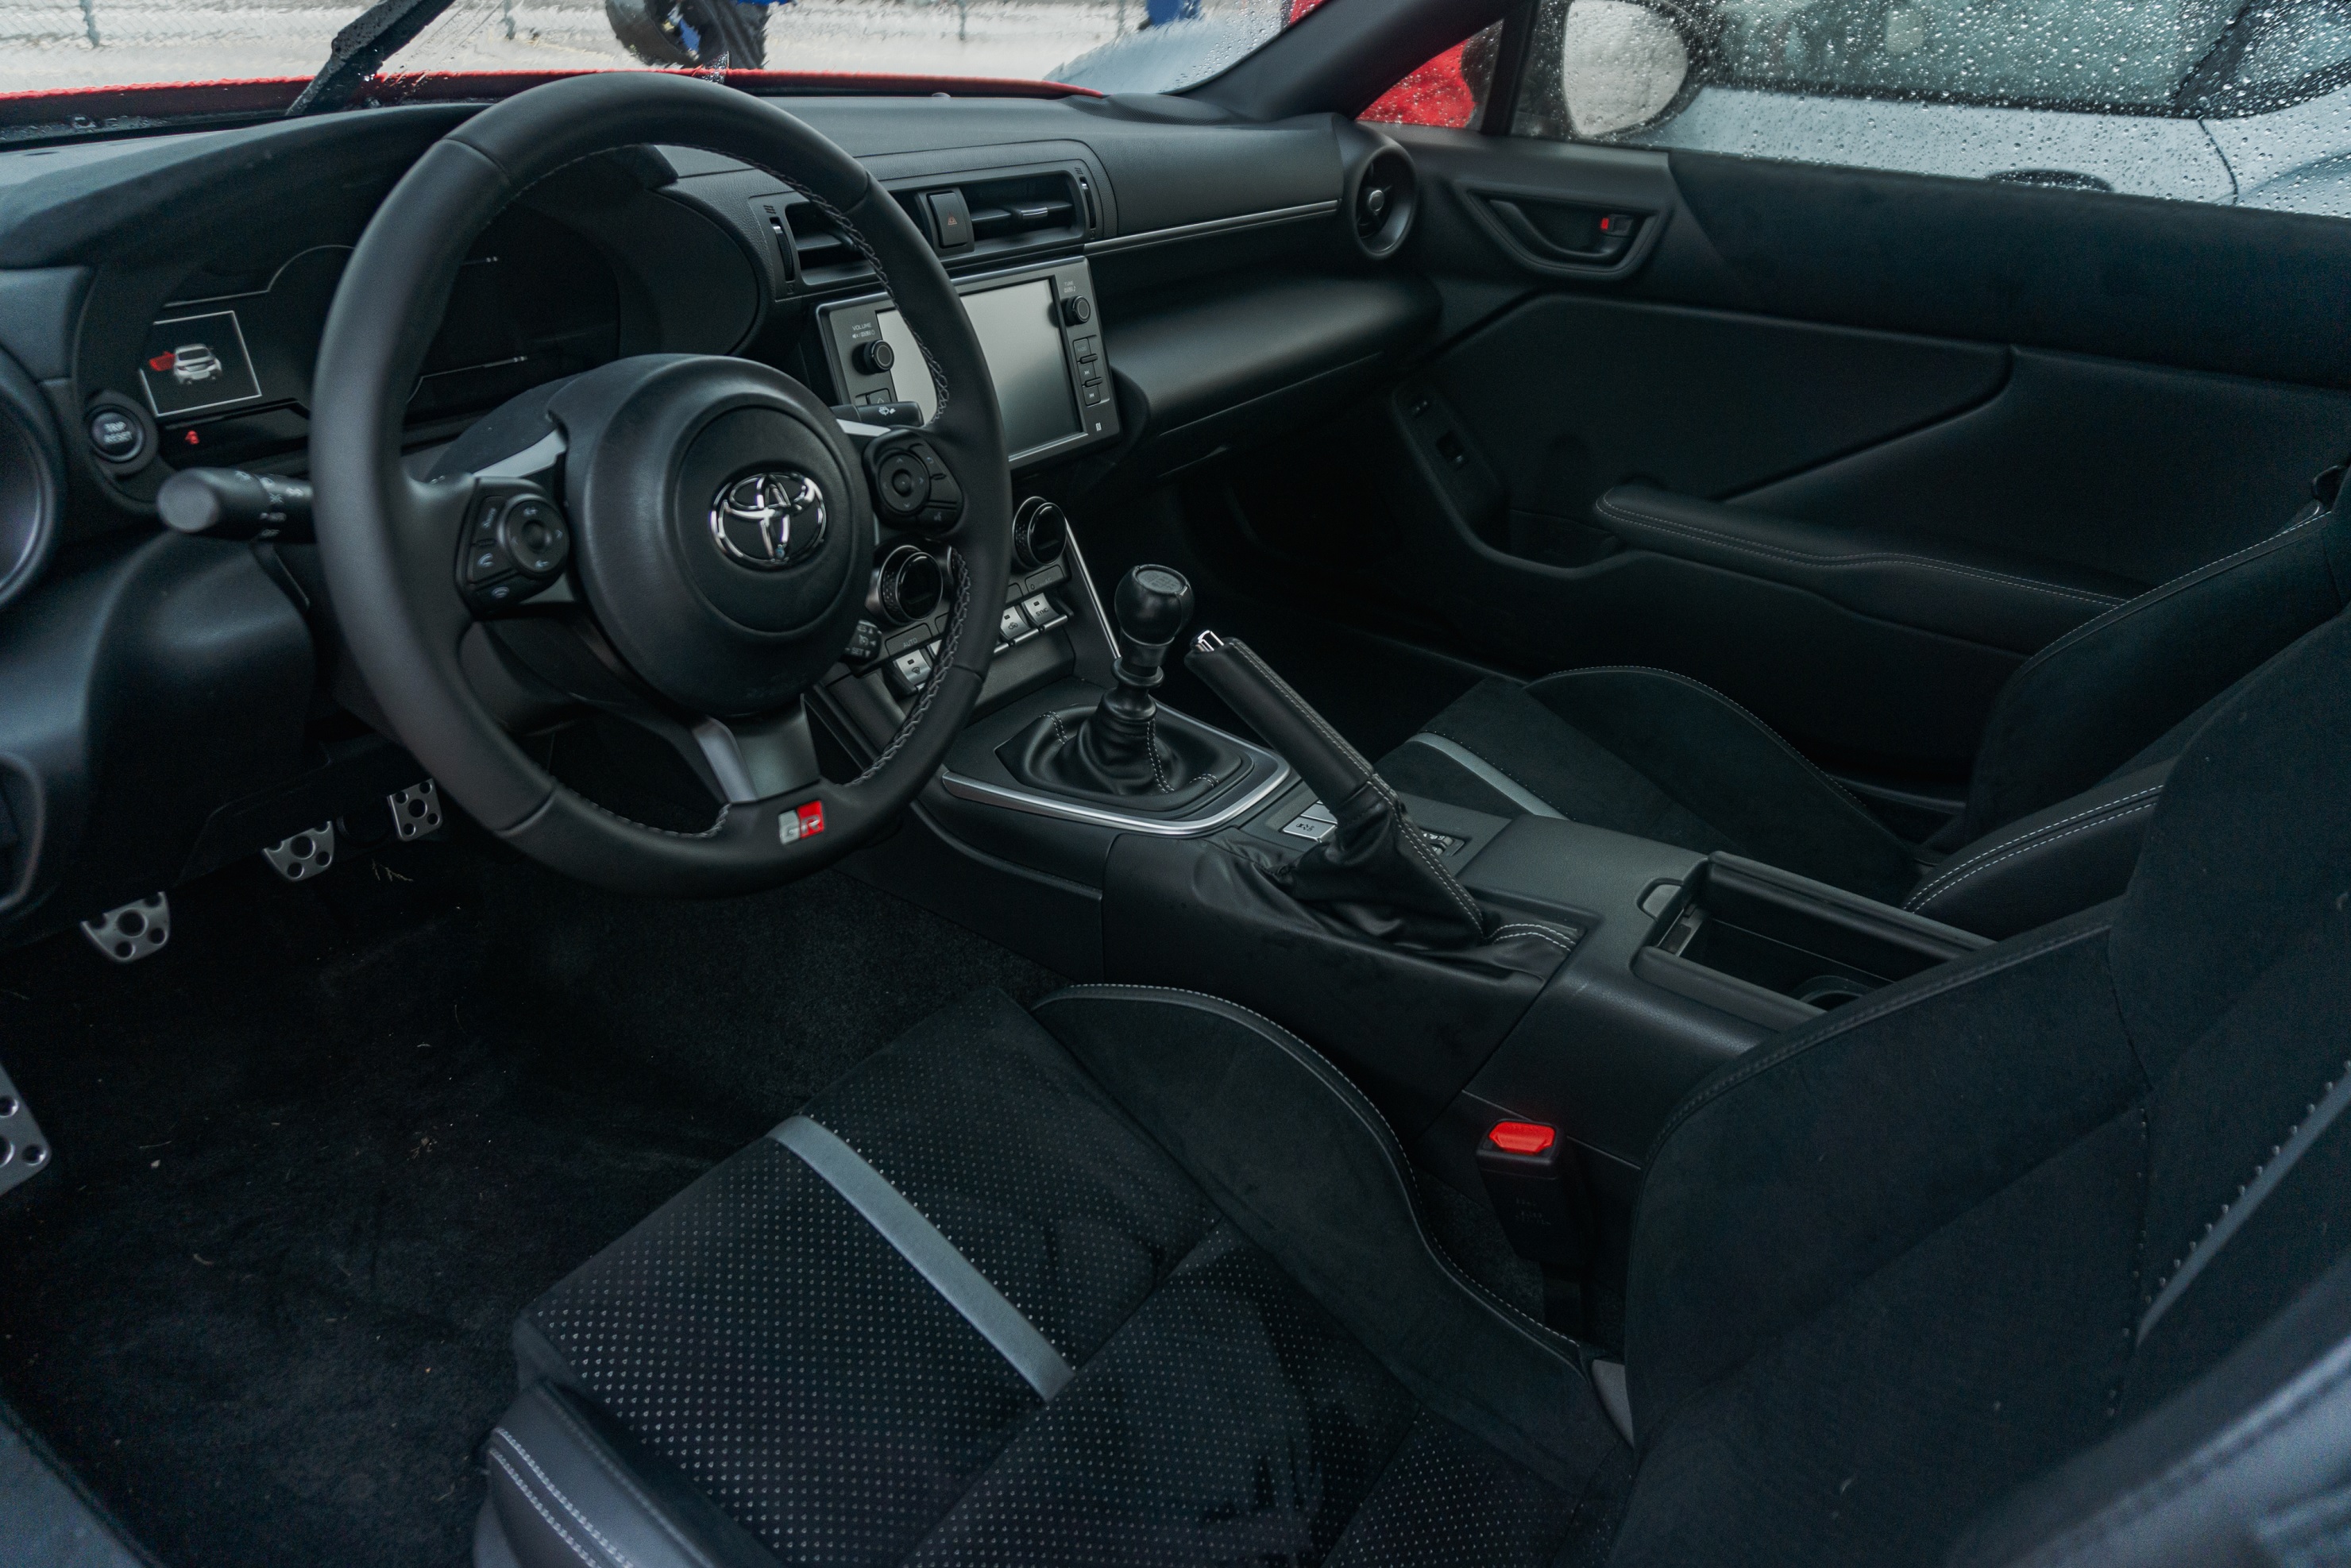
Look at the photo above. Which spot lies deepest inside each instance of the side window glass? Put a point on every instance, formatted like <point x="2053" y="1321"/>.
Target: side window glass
<point x="2244" y="101"/>
<point x="1448" y="90"/>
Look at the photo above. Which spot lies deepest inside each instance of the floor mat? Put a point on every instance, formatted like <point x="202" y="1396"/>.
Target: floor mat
<point x="313" y="1157"/>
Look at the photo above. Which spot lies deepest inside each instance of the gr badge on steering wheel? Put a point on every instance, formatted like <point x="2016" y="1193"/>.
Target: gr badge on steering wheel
<point x="694" y="532"/>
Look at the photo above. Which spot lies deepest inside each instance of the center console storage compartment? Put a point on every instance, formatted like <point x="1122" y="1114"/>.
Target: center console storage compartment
<point x="1777" y="949"/>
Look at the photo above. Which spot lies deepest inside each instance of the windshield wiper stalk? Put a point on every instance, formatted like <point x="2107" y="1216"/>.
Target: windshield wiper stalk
<point x="374" y="35"/>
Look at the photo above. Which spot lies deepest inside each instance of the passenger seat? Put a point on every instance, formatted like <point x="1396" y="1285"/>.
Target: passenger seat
<point x="2071" y="769"/>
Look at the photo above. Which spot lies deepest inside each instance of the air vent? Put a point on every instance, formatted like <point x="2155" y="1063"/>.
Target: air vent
<point x="1010" y="214"/>
<point x="821" y="254"/>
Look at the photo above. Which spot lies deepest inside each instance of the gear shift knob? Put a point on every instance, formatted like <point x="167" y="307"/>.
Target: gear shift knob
<point x="1151" y="604"/>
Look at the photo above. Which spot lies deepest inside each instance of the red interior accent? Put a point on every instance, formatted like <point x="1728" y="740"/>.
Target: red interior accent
<point x="270" y="95"/>
<point x="1521" y="1137"/>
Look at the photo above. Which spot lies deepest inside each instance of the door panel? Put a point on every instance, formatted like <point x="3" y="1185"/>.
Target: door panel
<point x="1570" y="394"/>
<point x="2085" y="388"/>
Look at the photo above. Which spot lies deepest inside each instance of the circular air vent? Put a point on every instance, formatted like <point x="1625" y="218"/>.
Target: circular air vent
<point x="1385" y="201"/>
<point x="32" y="481"/>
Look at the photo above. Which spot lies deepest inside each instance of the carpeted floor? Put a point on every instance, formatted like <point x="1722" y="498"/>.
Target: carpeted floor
<point x="313" y="1157"/>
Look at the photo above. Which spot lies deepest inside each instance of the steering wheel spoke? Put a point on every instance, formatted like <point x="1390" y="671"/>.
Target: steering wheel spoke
<point x="681" y="542"/>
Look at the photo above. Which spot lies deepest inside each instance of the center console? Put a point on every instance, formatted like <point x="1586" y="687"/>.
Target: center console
<point x="1469" y="972"/>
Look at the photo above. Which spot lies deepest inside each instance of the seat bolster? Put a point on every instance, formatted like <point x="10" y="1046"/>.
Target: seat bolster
<point x="2078" y="853"/>
<point x="1307" y="1169"/>
<point x="570" y="1488"/>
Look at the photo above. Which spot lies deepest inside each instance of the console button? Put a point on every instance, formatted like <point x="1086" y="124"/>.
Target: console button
<point x="1040" y="612"/>
<point x="912" y="669"/>
<point x="115" y="435"/>
<point x="1013" y="626"/>
<point x="950" y="220"/>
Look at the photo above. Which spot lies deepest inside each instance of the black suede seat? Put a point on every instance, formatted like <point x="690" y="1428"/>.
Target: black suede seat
<point x="2040" y="1255"/>
<point x="2072" y="761"/>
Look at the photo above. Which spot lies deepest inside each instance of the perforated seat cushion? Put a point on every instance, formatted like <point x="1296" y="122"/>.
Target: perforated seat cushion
<point x="757" y="1334"/>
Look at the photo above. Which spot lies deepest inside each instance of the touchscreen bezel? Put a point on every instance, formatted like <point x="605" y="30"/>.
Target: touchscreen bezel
<point x="847" y="324"/>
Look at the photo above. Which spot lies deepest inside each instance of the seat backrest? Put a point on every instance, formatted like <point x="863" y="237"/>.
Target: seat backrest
<point x="2093" y="703"/>
<point x="1929" y="1249"/>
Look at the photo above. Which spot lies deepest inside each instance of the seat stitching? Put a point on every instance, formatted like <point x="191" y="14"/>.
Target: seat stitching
<point x="2022" y="842"/>
<point x="2163" y="589"/>
<point x="1732" y="542"/>
<point x="2029" y="847"/>
<point x="614" y="1553"/>
<point x="1345" y="1092"/>
<point x="523" y="1491"/>
<point x="594" y="1449"/>
<point x="1778" y="739"/>
<point x="2318" y="1111"/>
<point x="1846" y="1019"/>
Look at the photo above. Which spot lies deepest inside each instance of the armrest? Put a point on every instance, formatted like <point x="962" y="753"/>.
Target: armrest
<point x="1985" y="596"/>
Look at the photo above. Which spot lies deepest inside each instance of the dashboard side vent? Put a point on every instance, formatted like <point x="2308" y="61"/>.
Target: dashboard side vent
<point x="821" y="254"/>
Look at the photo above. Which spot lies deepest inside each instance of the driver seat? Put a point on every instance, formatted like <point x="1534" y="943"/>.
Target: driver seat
<point x="2038" y="1256"/>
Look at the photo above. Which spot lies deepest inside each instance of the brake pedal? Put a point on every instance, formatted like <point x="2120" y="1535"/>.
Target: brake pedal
<point x="24" y="1153"/>
<point x="304" y="854"/>
<point x="415" y="810"/>
<point x="129" y="932"/>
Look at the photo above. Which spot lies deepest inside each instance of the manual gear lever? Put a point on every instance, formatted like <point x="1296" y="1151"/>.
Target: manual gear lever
<point x="1151" y="604"/>
<point x="1118" y="749"/>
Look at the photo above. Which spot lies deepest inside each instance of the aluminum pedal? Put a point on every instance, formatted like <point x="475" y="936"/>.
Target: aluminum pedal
<point x="131" y="931"/>
<point x="304" y="854"/>
<point x="24" y="1153"/>
<point x="415" y="810"/>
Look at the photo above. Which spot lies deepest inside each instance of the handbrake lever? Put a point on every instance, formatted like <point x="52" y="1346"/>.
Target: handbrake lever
<point x="1376" y="870"/>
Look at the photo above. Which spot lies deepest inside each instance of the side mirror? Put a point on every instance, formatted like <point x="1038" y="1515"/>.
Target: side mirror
<point x="1621" y="66"/>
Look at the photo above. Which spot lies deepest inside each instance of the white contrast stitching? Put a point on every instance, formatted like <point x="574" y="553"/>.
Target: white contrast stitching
<point x="2023" y="842"/>
<point x="1527" y="928"/>
<point x="614" y="1553"/>
<point x="2161" y="590"/>
<point x="594" y="1449"/>
<point x="1622" y="512"/>
<point x="523" y="1490"/>
<point x="2028" y="846"/>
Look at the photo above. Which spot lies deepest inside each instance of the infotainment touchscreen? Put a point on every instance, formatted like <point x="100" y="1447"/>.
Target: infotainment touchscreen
<point x="1022" y="339"/>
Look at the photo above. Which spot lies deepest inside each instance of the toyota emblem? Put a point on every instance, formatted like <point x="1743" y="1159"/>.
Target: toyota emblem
<point x="769" y="520"/>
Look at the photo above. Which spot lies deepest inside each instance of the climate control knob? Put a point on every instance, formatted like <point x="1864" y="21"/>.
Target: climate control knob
<point x="906" y="586"/>
<point x="1040" y="533"/>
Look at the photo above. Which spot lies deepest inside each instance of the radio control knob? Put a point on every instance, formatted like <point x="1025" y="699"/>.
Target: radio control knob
<point x="873" y="357"/>
<point x="1077" y="311"/>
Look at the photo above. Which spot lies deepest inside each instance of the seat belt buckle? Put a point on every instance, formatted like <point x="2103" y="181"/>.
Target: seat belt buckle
<point x="1537" y="1190"/>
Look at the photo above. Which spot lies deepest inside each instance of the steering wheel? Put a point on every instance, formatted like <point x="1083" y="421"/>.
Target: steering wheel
<point x="719" y="524"/>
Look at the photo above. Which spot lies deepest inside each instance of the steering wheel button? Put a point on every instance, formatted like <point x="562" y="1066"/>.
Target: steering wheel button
<point x="485" y="562"/>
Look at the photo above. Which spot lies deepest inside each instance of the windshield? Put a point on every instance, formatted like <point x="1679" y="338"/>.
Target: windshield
<point x="1114" y="45"/>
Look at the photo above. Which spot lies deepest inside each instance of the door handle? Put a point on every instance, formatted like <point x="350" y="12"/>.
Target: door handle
<point x="1593" y="236"/>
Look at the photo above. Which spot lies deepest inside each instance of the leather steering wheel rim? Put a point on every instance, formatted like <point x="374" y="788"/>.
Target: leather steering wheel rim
<point x="388" y="542"/>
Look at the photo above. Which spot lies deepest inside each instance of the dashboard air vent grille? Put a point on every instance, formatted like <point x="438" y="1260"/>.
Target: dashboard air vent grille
<point x="820" y="252"/>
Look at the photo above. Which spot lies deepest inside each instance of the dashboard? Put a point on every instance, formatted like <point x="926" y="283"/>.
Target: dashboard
<point x="1154" y="287"/>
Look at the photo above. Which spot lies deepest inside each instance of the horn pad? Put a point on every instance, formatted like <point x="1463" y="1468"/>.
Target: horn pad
<point x="724" y="532"/>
